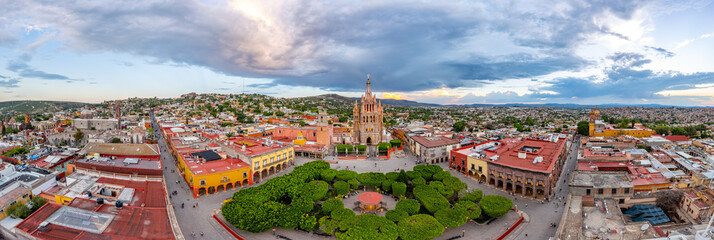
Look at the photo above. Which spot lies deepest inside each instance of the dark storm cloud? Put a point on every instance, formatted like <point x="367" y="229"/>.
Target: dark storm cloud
<point x="661" y="51"/>
<point x="22" y="69"/>
<point x="333" y="45"/>
<point x="7" y="82"/>
<point x="517" y="66"/>
<point x="626" y="79"/>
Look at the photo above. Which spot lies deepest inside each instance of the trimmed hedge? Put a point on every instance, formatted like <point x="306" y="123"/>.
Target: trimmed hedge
<point x="420" y="227"/>
<point x="396" y="215"/>
<point x="399" y="188"/>
<point x="395" y="143"/>
<point x="387" y="185"/>
<point x="454" y="183"/>
<point x="328" y="174"/>
<point x="412" y="175"/>
<point x="431" y="199"/>
<point x="345" y="175"/>
<point x="371" y="179"/>
<point x="256" y="209"/>
<point x="439" y="176"/>
<point x="354" y="184"/>
<point x="342" y="214"/>
<point x="315" y="190"/>
<point x="308" y="222"/>
<point x="409" y="206"/>
<point x="368" y="227"/>
<point x="468" y="209"/>
<point x="439" y="186"/>
<point x="383" y="147"/>
<point x="419" y="181"/>
<point x="361" y="148"/>
<point x="331" y="204"/>
<point x="450" y="218"/>
<point x="341" y="148"/>
<point x="341" y="187"/>
<point x="496" y="206"/>
<point x="392" y="175"/>
<point x="474" y="196"/>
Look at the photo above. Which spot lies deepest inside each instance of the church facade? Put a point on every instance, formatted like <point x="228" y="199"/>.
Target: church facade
<point x="367" y="119"/>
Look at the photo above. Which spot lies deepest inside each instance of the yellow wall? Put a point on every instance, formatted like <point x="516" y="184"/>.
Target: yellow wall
<point x="20" y="199"/>
<point x="59" y="199"/>
<point x="289" y="155"/>
<point x="216" y="179"/>
<point x="477" y="163"/>
<point x="618" y="132"/>
<point x="235" y="175"/>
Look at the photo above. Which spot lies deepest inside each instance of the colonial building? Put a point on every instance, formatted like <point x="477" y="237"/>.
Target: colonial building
<point x="367" y="118"/>
<point x="598" y="128"/>
<point x="529" y="167"/>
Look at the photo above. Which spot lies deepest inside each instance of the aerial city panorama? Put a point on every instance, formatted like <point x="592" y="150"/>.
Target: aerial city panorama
<point x="357" y="120"/>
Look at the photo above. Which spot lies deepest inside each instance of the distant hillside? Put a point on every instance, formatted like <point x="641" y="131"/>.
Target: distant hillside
<point x="574" y="105"/>
<point x="12" y="108"/>
<point x="347" y="100"/>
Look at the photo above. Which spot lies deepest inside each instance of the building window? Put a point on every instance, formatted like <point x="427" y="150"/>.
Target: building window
<point x="257" y="165"/>
<point x="614" y="191"/>
<point x="479" y="168"/>
<point x="265" y="162"/>
<point x="627" y="190"/>
<point x="601" y="191"/>
<point x="284" y="155"/>
<point x="225" y="179"/>
<point x="203" y="182"/>
<point x="245" y="174"/>
<point x="587" y="191"/>
<point x="25" y="196"/>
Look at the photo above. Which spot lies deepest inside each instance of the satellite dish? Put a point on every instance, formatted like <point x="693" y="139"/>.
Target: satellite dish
<point x="645" y="227"/>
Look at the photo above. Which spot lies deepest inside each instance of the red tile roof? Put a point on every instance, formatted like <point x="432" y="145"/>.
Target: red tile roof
<point x="133" y="221"/>
<point x="253" y="147"/>
<point x="434" y="141"/>
<point x="198" y="168"/>
<point x="508" y="153"/>
<point x="677" y="138"/>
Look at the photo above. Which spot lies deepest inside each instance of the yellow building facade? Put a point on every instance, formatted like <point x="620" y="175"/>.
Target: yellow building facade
<point x="19" y="195"/>
<point x="601" y="129"/>
<point x="478" y="168"/>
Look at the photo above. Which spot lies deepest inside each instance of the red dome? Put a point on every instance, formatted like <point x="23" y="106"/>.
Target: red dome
<point x="370" y="198"/>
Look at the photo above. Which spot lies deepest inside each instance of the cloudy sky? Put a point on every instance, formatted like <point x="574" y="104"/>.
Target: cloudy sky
<point x="449" y="52"/>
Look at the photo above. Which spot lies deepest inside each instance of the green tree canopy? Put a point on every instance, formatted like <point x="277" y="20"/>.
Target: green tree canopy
<point x="396" y="215"/>
<point x="328" y="174"/>
<point x="459" y="126"/>
<point x="331" y="204"/>
<point x="450" y="218"/>
<point x="468" y="209"/>
<point x="345" y="175"/>
<point x="431" y="199"/>
<point x="341" y="187"/>
<point x="368" y="227"/>
<point x="584" y="128"/>
<point x="496" y="206"/>
<point x="420" y="227"/>
<point x="409" y="206"/>
<point x="307" y="222"/>
<point x="399" y="188"/>
<point x="474" y="196"/>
